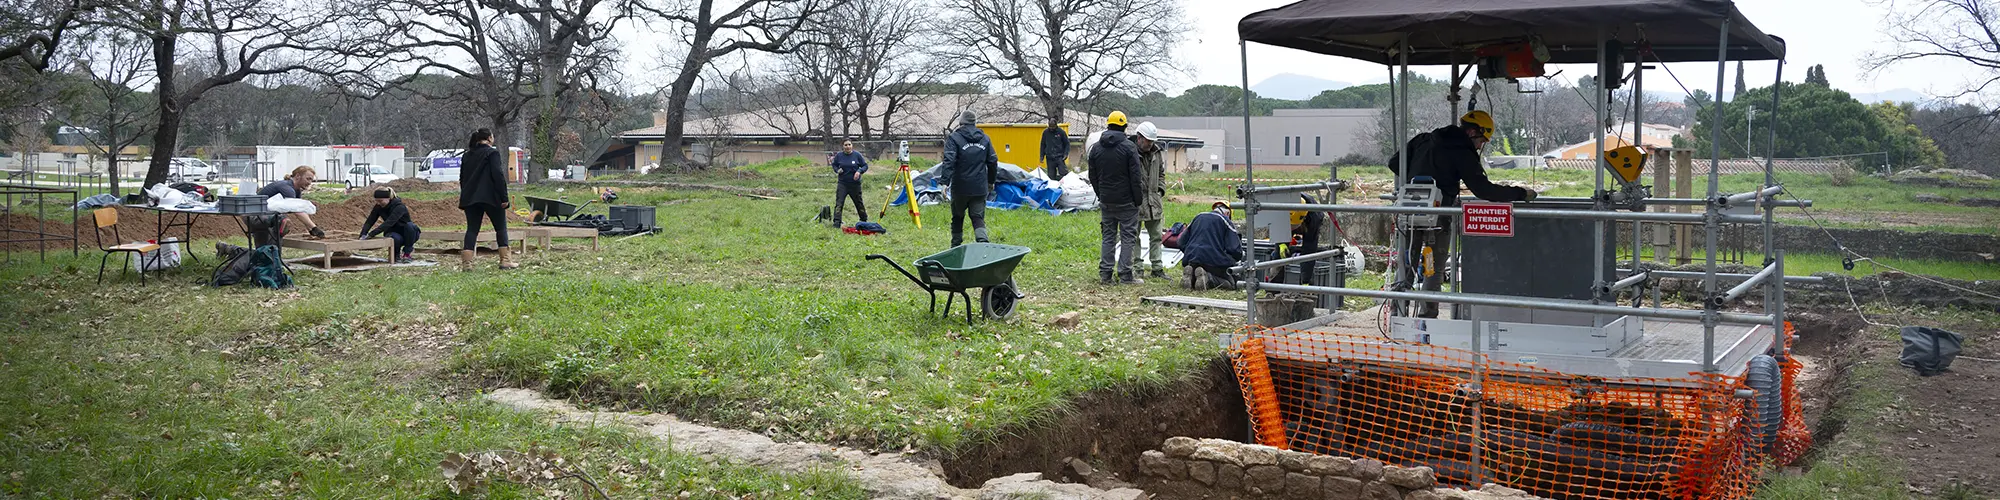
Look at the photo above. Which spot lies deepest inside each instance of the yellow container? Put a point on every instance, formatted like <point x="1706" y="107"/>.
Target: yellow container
<point x="1019" y="143"/>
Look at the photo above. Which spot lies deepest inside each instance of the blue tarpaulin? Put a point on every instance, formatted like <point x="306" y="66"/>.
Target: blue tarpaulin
<point x="1033" y="193"/>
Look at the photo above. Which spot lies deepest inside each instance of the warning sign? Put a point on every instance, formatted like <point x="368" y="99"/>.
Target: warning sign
<point x="1489" y="219"/>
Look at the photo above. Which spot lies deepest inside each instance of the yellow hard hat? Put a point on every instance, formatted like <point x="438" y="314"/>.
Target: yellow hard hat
<point x="1298" y="217"/>
<point x="1116" y="118"/>
<point x="1481" y="119"/>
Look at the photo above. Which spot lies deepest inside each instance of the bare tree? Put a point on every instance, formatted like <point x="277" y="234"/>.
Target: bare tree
<point x="200" y="45"/>
<point x="32" y="30"/>
<point x="1961" y="31"/>
<point x="715" y="31"/>
<point x="571" y="48"/>
<point x="881" y="50"/>
<point x="118" y="65"/>
<point x="1067" y="51"/>
<point x="489" y="60"/>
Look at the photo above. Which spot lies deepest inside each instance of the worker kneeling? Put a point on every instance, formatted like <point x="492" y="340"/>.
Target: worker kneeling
<point x="396" y="222"/>
<point x="1448" y="156"/>
<point x="1210" y="247"/>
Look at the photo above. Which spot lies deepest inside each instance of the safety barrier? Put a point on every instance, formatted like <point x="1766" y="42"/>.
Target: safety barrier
<point x="1473" y="419"/>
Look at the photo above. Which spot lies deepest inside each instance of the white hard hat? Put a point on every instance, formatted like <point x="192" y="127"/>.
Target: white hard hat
<point x="1148" y="131"/>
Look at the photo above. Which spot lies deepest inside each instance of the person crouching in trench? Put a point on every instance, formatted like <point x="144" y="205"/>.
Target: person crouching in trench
<point x="396" y="223"/>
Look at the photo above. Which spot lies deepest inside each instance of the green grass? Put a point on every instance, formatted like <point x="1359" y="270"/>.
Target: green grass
<point x="1806" y="264"/>
<point x="172" y="391"/>
<point x="741" y="311"/>
<point x="745" y="312"/>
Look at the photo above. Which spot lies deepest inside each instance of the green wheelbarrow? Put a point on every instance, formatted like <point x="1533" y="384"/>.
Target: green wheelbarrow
<point x="986" y="266"/>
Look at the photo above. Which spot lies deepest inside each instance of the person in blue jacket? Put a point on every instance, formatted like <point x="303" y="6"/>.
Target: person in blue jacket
<point x="848" y="166"/>
<point x="1210" y="246"/>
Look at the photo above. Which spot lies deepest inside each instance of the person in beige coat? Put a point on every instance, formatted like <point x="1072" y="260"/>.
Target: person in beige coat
<point x="1153" y="180"/>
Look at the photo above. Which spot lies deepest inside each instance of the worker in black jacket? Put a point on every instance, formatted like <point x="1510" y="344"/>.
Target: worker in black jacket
<point x="972" y="168"/>
<point x="396" y="222"/>
<point x="1447" y="156"/>
<point x="1116" y="177"/>
<point x="482" y="194"/>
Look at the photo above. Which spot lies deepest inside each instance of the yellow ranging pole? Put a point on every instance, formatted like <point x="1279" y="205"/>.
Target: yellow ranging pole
<point x="910" y="194"/>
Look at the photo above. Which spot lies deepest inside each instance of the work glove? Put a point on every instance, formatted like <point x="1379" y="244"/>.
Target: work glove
<point x="367" y="236"/>
<point x="1531" y="194"/>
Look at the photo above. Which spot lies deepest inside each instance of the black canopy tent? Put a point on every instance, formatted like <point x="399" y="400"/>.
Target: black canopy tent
<point x="1399" y="33"/>
<point x="1443" y="31"/>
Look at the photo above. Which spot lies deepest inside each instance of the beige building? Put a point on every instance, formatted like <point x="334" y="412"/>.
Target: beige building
<point x="791" y="131"/>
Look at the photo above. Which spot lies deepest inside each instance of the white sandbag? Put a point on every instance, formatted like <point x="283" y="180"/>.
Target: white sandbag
<point x="166" y="196"/>
<point x="1076" y="193"/>
<point x="280" y="204"/>
<point x="168" y="256"/>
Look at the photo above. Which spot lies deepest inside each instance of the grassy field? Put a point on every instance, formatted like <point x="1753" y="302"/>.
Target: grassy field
<point x="742" y="312"/>
<point x="178" y="391"/>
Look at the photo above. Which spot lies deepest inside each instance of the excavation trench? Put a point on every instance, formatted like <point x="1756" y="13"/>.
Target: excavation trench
<point x="1109" y="429"/>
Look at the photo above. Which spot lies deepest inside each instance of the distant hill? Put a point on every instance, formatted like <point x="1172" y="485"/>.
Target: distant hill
<point x="1295" y="87"/>
<point x="1897" y="95"/>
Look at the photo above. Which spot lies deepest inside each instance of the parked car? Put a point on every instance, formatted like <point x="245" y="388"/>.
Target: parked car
<point x="363" y="175"/>
<point x="191" y="170"/>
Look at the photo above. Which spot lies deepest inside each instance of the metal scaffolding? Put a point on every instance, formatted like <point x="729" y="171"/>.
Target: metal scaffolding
<point x="1602" y="211"/>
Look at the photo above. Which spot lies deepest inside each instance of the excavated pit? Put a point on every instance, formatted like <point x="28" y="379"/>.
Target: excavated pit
<point x="1109" y="429"/>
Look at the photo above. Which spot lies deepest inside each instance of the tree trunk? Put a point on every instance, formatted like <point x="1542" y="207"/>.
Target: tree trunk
<point x="499" y="129"/>
<point x="825" y="117"/>
<point x="676" y="126"/>
<point x="167" y="133"/>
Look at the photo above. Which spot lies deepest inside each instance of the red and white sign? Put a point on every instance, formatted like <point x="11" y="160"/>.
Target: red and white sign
<point x="1489" y="219"/>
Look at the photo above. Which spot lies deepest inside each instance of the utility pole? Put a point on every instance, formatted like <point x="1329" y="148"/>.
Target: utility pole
<point x="1749" y="121"/>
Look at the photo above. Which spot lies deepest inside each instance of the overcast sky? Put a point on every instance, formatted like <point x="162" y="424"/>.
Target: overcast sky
<point x="1836" y="33"/>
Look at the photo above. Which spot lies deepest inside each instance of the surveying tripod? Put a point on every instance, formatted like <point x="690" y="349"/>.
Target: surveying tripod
<point x="909" y="188"/>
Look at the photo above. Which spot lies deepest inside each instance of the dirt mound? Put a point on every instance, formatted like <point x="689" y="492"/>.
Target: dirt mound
<point x="410" y="185"/>
<point x="349" y="214"/>
<point x="136" y="224"/>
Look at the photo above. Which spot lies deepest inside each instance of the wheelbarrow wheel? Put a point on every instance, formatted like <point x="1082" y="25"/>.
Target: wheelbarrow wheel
<point x="997" y="301"/>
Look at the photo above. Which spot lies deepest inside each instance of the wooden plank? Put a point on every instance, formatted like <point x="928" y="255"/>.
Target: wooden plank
<point x="512" y="234"/>
<point x="545" y="233"/>
<point x="337" y="241"/>
<point x="1189" y="302"/>
<point x="1195" y="303"/>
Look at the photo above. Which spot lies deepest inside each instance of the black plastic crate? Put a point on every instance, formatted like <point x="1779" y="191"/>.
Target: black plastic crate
<point x="634" y="217"/>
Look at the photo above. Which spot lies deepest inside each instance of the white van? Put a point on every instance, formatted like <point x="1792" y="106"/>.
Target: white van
<point x="440" y="165"/>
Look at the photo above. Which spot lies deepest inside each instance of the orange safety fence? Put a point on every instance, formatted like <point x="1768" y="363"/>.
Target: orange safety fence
<point x="1475" y="420"/>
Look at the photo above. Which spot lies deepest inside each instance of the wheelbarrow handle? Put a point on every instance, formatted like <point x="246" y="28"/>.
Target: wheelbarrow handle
<point x="899" y="268"/>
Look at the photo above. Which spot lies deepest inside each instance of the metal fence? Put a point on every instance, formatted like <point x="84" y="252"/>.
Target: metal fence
<point x="1822" y="166"/>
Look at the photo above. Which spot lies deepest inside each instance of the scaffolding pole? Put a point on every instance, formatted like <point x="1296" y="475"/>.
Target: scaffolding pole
<point x="1524" y="212"/>
<point x="1249" y="181"/>
<point x="1709" y="312"/>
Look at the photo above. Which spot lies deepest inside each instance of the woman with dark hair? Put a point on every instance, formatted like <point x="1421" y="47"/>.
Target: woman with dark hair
<point x="482" y="194"/>
<point x="395" y="218"/>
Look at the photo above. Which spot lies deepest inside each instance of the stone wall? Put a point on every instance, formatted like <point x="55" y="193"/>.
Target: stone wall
<point x="1186" y="468"/>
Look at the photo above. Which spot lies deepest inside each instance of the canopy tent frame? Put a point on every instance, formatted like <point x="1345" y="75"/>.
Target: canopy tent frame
<point x="1398" y="33"/>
